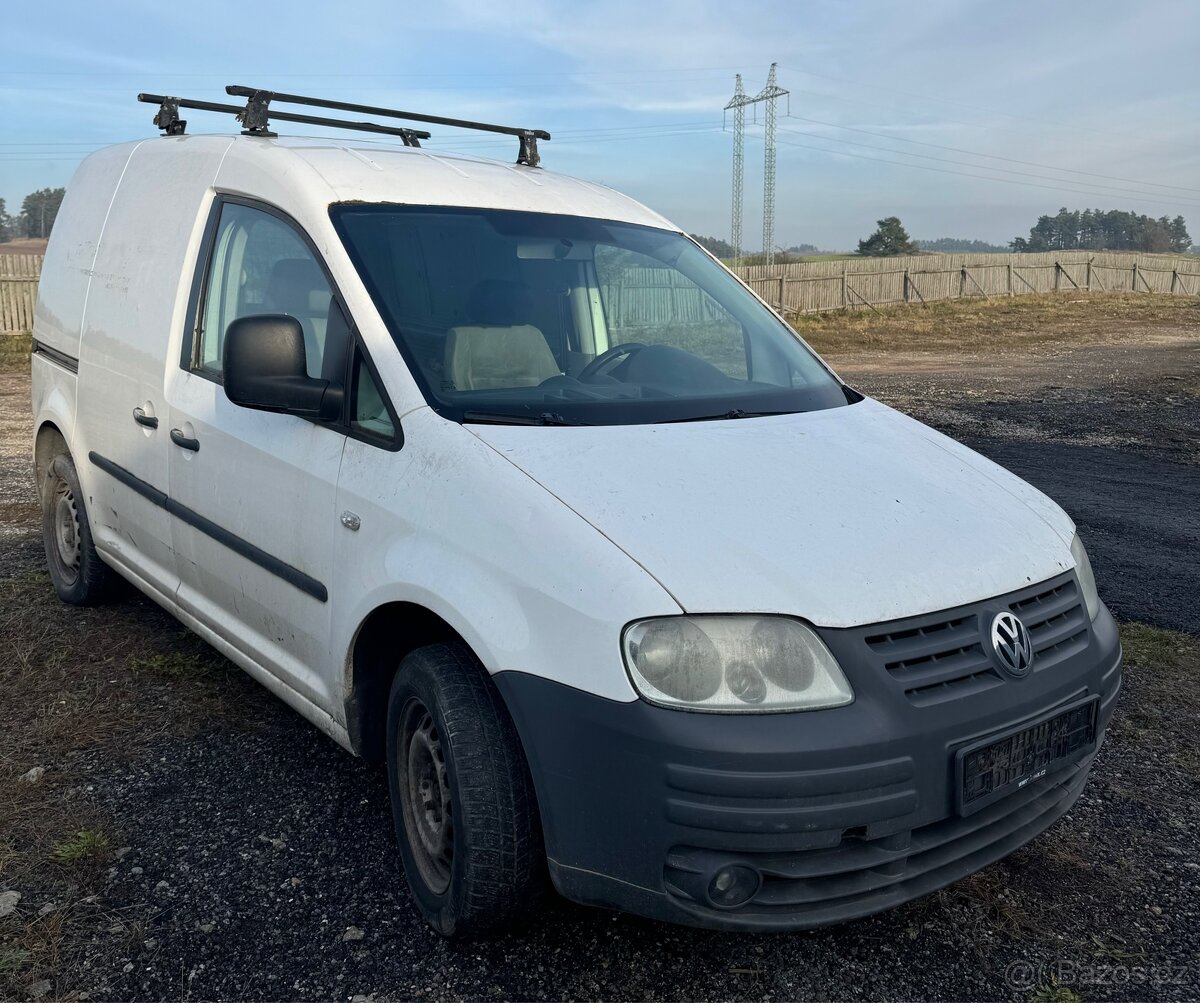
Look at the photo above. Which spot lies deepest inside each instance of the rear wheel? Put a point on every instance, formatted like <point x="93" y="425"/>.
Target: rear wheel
<point x="78" y="574"/>
<point x="462" y="797"/>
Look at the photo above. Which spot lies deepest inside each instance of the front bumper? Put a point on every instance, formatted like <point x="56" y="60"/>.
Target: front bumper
<point x="841" y="812"/>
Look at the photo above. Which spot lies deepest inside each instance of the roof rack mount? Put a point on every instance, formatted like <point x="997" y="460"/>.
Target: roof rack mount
<point x="255" y="116"/>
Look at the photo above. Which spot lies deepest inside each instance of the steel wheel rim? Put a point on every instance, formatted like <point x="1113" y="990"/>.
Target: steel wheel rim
<point x="66" y="528"/>
<point x="426" y="800"/>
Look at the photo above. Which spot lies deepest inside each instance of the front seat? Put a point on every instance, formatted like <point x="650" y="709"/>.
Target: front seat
<point x="297" y="287"/>
<point x="497" y="351"/>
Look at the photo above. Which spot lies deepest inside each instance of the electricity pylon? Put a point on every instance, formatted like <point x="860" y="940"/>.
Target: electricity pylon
<point x="737" y="104"/>
<point x="769" y="94"/>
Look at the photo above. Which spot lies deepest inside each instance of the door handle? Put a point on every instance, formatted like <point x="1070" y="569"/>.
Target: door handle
<point x="146" y="420"/>
<point x="183" y="441"/>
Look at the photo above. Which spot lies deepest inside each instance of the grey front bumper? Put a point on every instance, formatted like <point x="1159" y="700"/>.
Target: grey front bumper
<point x="841" y="812"/>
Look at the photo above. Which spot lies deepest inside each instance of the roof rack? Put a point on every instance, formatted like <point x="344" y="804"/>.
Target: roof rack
<point x="255" y="117"/>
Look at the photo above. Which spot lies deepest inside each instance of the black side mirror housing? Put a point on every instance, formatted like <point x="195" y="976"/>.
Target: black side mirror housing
<point x="265" y="369"/>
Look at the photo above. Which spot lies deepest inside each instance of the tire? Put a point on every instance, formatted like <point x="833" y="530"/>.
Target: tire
<point x="462" y="798"/>
<point x="79" y="576"/>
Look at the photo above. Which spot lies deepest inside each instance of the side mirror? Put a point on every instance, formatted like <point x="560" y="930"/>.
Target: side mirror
<point x="265" y="369"/>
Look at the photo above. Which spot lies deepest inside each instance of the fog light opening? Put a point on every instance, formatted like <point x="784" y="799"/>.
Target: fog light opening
<point x="733" y="885"/>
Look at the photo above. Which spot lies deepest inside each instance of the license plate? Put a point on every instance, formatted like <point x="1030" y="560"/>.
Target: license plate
<point x="995" y="767"/>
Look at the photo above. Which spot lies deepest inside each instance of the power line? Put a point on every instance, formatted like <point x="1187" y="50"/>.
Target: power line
<point x="991" y="156"/>
<point x="1102" y="190"/>
<point x="962" y="174"/>
<point x="1056" y="127"/>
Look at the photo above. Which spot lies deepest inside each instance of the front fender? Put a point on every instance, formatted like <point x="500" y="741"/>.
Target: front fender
<point x="448" y="524"/>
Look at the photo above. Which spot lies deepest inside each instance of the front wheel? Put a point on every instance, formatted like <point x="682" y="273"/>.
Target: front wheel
<point x="462" y="798"/>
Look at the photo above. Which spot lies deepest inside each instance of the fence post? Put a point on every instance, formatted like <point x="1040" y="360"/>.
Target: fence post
<point x="1057" y="274"/>
<point x="1010" y="287"/>
<point x="1087" y="285"/>
<point x="906" y="285"/>
<point x="1174" y="278"/>
<point x="1135" y="271"/>
<point x="845" y="294"/>
<point x="962" y="281"/>
<point x="782" y="288"/>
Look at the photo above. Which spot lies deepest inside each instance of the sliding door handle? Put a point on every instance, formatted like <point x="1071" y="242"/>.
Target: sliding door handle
<point x="183" y="442"/>
<point x="143" y="419"/>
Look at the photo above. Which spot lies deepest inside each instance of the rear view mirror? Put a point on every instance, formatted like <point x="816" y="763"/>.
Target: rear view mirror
<point x="266" y="369"/>
<point x="544" y="249"/>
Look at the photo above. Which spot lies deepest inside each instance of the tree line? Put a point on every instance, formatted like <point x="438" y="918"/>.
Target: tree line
<point x="37" y="215"/>
<point x="1105" y="230"/>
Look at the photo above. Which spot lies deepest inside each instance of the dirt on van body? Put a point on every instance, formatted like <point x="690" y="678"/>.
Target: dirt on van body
<point x="180" y="834"/>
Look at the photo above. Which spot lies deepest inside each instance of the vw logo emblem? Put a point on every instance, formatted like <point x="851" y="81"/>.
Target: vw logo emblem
<point x="1012" y="644"/>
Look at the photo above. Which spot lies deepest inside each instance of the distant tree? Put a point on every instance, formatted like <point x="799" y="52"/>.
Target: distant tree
<point x="714" y="245"/>
<point x="38" y="212"/>
<point x="959" y="245"/>
<point x="1105" y="230"/>
<point x="803" y="249"/>
<point x="888" y="240"/>
<point x="6" y="223"/>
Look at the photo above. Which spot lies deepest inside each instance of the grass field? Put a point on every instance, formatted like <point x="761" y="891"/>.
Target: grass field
<point x="973" y="325"/>
<point x="24" y="245"/>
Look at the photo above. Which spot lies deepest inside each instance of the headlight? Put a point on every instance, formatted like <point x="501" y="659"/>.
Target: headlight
<point x="733" y="663"/>
<point x="1087" y="580"/>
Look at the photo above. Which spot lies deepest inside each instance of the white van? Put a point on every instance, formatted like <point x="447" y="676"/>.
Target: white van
<point x="495" y="475"/>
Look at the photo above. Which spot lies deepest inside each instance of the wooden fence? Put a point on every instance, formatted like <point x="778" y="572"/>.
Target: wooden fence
<point x="18" y="290"/>
<point x="813" y="286"/>
<point x="650" y="297"/>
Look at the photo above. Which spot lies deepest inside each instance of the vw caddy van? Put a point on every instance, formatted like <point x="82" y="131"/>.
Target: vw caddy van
<point x="497" y="477"/>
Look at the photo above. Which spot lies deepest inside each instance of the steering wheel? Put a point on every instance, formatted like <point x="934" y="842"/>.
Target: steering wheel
<point x="605" y="360"/>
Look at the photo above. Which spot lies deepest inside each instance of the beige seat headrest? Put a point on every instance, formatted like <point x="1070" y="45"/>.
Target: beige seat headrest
<point x="495" y="358"/>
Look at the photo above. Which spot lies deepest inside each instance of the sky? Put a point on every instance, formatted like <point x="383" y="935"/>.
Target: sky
<point x="964" y="118"/>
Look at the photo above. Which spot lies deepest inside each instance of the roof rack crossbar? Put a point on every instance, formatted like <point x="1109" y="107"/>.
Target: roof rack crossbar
<point x="254" y="116"/>
<point x="528" y="153"/>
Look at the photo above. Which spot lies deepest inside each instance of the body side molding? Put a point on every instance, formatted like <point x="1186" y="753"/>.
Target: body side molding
<point x="68" y="362"/>
<point x="293" y="576"/>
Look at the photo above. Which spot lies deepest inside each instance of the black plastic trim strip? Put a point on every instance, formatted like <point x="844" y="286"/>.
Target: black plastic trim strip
<point x="293" y="576"/>
<point x="54" y="355"/>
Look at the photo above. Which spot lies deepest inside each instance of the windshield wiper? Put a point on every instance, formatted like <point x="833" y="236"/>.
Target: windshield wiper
<point x="737" y="412"/>
<point x="545" y="418"/>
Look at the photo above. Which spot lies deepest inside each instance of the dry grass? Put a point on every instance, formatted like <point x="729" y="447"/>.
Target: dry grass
<point x="14" y="352"/>
<point x="79" y="684"/>
<point x="1162" y="677"/>
<point x="24" y="245"/>
<point x="1012" y="324"/>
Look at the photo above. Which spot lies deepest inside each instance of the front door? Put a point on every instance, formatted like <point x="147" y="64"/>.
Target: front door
<point x="254" y="493"/>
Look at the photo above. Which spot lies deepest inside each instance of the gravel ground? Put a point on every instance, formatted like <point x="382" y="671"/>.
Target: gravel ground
<point x="257" y="860"/>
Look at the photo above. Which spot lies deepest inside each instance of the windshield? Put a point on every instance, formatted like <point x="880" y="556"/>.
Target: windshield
<point x="544" y="319"/>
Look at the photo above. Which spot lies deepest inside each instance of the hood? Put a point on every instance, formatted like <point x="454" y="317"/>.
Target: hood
<point x="847" y="516"/>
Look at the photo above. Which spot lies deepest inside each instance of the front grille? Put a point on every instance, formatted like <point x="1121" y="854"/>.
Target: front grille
<point x="944" y="656"/>
<point x="937" y="660"/>
<point x="859" y="876"/>
<point x="1057" y="622"/>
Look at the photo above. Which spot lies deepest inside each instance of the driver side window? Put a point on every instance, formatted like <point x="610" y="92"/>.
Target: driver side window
<point x="261" y="265"/>
<point x="648" y="303"/>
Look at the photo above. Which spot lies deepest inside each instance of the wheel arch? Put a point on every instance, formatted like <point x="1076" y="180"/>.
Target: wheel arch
<point x="385" y="637"/>
<point x="47" y="436"/>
